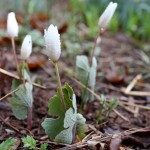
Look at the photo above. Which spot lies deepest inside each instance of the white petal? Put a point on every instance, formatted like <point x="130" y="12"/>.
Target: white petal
<point x="52" y="40"/>
<point x="12" y="25"/>
<point x="26" y="47"/>
<point x="107" y="15"/>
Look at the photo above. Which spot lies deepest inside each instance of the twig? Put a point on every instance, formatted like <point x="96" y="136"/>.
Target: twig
<point x="8" y="94"/>
<point x="17" y="77"/>
<point x="136" y="105"/>
<point x="132" y="84"/>
<point x="137" y="93"/>
<point x="11" y="126"/>
<point x="119" y="114"/>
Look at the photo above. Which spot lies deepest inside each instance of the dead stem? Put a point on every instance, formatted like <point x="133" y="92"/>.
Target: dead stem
<point x="59" y="85"/>
<point x="17" y="77"/>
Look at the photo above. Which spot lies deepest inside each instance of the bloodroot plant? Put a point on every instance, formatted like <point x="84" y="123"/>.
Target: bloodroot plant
<point x="12" y="30"/>
<point x="86" y="68"/>
<point x="66" y="123"/>
<point x="22" y="100"/>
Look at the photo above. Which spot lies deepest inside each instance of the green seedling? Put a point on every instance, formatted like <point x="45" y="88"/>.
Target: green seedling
<point x="105" y="108"/>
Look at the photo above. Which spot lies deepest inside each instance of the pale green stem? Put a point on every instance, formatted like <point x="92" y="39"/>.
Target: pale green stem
<point x="14" y="53"/>
<point x="23" y="68"/>
<point x="59" y="86"/>
<point x="100" y="32"/>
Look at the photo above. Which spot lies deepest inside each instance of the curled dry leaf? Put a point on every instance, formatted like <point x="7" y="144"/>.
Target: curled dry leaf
<point x="116" y="75"/>
<point x="36" y="60"/>
<point x="63" y="28"/>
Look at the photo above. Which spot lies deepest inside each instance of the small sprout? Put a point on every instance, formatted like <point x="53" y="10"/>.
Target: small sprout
<point x="12" y="25"/>
<point x="26" y="47"/>
<point x="107" y="15"/>
<point x="29" y="142"/>
<point x="52" y="41"/>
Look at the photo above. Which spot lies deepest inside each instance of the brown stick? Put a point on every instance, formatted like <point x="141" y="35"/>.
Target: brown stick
<point x="132" y="84"/>
<point x="8" y="94"/>
<point x="17" y="77"/>
<point x="11" y="126"/>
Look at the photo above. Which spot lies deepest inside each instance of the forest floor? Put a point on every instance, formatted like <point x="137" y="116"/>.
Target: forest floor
<point x="121" y="74"/>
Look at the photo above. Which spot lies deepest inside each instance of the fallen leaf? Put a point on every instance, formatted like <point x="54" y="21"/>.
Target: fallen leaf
<point x="36" y="61"/>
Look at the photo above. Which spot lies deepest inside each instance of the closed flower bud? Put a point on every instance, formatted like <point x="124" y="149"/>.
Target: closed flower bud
<point x="52" y="42"/>
<point x="12" y="25"/>
<point x="107" y="15"/>
<point x="26" y="47"/>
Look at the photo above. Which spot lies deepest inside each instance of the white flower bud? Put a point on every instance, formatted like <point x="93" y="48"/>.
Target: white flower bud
<point x="12" y="25"/>
<point x="107" y="15"/>
<point x="26" y="47"/>
<point x="52" y="42"/>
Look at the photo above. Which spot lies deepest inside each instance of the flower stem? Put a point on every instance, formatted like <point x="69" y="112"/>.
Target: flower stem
<point x="23" y="67"/>
<point x="59" y="85"/>
<point x="100" y="32"/>
<point x="14" y="53"/>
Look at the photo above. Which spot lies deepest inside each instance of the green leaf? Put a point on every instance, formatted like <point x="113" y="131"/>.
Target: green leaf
<point x="86" y="74"/>
<point x="66" y="135"/>
<point x="6" y="145"/>
<point x="82" y="68"/>
<point x="62" y="128"/>
<point x="15" y="84"/>
<point x="92" y="79"/>
<point x="72" y="122"/>
<point x="22" y="100"/>
<point x="112" y="105"/>
<point x="29" y="142"/>
<point x="81" y="126"/>
<point x="43" y="146"/>
<point x="53" y="126"/>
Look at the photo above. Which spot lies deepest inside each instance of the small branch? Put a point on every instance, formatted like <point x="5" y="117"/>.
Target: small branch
<point x="8" y="94"/>
<point x="132" y="84"/>
<point x="59" y="85"/>
<point x="17" y="77"/>
<point x="119" y="114"/>
<point x="14" y="53"/>
<point x="12" y="127"/>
